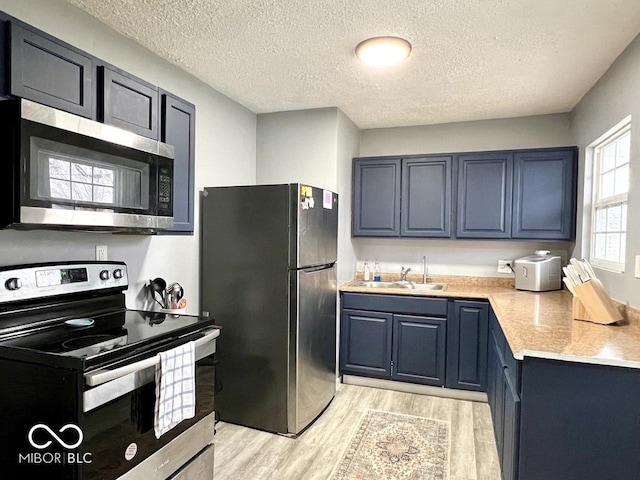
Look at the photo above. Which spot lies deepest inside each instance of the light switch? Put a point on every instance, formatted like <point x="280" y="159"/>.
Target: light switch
<point x="637" y="274"/>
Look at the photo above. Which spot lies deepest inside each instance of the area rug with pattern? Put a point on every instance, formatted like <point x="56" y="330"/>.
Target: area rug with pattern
<point x="393" y="446"/>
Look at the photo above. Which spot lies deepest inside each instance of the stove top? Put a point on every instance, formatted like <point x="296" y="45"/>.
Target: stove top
<point x="111" y="335"/>
<point x="73" y="315"/>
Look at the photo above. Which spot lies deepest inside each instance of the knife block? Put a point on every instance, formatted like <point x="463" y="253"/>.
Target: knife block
<point x="593" y="304"/>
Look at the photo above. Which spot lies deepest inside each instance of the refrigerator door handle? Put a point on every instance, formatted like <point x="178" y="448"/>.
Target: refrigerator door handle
<point x="318" y="268"/>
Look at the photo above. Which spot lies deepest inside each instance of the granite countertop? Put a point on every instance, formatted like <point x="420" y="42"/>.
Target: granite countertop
<point x="539" y="324"/>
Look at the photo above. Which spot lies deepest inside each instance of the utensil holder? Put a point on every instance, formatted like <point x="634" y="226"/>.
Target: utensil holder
<point x="593" y="304"/>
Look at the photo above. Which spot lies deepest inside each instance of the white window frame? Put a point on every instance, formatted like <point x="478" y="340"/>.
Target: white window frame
<point x="620" y="130"/>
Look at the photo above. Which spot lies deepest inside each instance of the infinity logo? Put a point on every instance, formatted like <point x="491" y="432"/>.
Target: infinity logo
<point x="53" y="434"/>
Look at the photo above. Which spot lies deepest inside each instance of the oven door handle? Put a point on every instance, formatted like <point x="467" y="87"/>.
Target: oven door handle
<point x="103" y="376"/>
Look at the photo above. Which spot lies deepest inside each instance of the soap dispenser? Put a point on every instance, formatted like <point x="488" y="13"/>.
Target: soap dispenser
<point x="376" y="272"/>
<point x="366" y="272"/>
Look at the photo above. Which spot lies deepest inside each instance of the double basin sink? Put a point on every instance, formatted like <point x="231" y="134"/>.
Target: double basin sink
<point x="426" y="287"/>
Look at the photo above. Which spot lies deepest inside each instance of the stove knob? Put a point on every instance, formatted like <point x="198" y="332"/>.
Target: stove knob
<point x="13" y="284"/>
<point x="105" y="275"/>
<point x="117" y="273"/>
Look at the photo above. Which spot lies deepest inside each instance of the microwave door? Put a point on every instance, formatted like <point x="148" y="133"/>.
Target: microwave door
<point x="79" y="181"/>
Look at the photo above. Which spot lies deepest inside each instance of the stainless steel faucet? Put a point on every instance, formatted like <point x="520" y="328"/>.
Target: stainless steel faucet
<point x="424" y="269"/>
<point x="403" y="274"/>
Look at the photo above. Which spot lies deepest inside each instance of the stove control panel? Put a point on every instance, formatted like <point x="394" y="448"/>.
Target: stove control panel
<point x="34" y="281"/>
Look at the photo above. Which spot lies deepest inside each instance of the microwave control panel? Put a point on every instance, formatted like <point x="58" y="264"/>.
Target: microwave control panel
<point x="165" y="187"/>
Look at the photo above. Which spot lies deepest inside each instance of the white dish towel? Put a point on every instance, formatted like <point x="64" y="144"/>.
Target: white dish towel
<point x="175" y="387"/>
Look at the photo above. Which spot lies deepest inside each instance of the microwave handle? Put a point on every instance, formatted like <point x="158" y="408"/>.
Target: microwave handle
<point x="103" y="376"/>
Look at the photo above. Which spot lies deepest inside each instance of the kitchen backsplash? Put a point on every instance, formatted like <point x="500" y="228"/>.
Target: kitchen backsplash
<point x="448" y="257"/>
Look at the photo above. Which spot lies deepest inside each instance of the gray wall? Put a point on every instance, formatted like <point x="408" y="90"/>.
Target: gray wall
<point x="314" y="147"/>
<point x="502" y="134"/>
<point x="348" y="140"/>
<point x="459" y="257"/>
<point x="298" y="146"/>
<point x="615" y="96"/>
<point x="225" y="155"/>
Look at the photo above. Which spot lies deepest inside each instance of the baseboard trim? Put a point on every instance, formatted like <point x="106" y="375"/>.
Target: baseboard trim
<point x="415" y="388"/>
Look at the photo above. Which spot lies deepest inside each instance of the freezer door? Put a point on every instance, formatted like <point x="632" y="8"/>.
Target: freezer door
<point x="312" y="366"/>
<point x="315" y="238"/>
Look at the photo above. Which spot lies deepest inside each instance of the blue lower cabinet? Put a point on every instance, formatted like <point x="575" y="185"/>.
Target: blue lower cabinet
<point x="578" y="421"/>
<point x="510" y="430"/>
<point x="496" y="394"/>
<point x="409" y="348"/>
<point x="467" y="340"/>
<point x="503" y="381"/>
<point x="419" y="349"/>
<point x="365" y="343"/>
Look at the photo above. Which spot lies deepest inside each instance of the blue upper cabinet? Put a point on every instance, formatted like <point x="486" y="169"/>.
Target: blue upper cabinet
<point x="48" y="71"/>
<point x="484" y="195"/>
<point x="426" y="197"/>
<point x="408" y="197"/>
<point x="376" y="197"/>
<point x="129" y="102"/>
<point x="544" y="196"/>
<point x="520" y="194"/>
<point x="178" y="128"/>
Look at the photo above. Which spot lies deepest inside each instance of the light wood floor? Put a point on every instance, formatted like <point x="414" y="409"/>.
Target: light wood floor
<point x="246" y="454"/>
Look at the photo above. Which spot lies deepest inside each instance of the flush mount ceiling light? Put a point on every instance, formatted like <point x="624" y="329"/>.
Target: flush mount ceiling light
<point x="383" y="51"/>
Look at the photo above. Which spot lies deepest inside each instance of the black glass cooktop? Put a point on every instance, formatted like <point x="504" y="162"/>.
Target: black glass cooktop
<point x="94" y="338"/>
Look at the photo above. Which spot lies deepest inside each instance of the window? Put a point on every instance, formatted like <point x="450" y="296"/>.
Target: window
<point x="610" y="188"/>
<point x="81" y="182"/>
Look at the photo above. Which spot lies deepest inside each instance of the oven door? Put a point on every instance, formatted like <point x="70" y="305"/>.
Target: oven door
<point x="118" y="418"/>
<point x="96" y="176"/>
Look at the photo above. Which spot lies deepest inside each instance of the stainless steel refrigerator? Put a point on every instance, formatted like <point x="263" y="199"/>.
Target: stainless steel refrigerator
<point x="268" y="277"/>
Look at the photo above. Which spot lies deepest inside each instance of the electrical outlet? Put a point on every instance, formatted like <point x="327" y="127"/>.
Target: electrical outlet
<point x="101" y="253"/>
<point x="637" y="266"/>
<point x="505" y="266"/>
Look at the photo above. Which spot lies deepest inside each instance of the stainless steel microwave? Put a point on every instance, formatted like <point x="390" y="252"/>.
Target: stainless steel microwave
<point x="68" y="172"/>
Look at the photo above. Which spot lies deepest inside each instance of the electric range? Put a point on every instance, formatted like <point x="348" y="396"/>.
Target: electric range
<point x="77" y="370"/>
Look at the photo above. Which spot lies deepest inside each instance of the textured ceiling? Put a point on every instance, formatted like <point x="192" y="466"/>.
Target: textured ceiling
<point x="471" y="59"/>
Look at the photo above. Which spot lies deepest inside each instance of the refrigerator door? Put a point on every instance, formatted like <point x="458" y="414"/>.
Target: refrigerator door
<point x="312" y="348"/>
<point x="245" y="286"/>
<point x="315" y="234"/>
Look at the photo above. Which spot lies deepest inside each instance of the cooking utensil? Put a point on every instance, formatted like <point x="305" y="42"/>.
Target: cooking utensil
<point x="176" y="290"/>
<point x="158" y="286"/>
<point x="173" y="293"/>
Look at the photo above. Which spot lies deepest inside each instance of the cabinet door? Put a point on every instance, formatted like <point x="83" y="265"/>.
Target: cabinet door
<point x="467" y="341"/>
<point x="491" y="377"/>
<point x="365" y="343"/>
<point x="128" y="102"/>
<point x="178" y="129"/>
<point x="484" y="195"/>
<point x="426" y="197"/>
<point x="544" y="194"/>
<point x="511" y="427"/>
<point x="376" y="197"/>
<point x="51" y="73"/>
<point x="419" y="349"/>
<point x="498" y="395"/>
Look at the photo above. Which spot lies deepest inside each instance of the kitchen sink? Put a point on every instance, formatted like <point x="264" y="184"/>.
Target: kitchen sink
<point x="430" y="287"/>
<point x="426" y="287"/>
<point x="380" y="284"/>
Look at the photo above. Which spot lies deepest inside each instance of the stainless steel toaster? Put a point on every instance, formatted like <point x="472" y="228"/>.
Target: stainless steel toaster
<point x="539" y="272"/>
